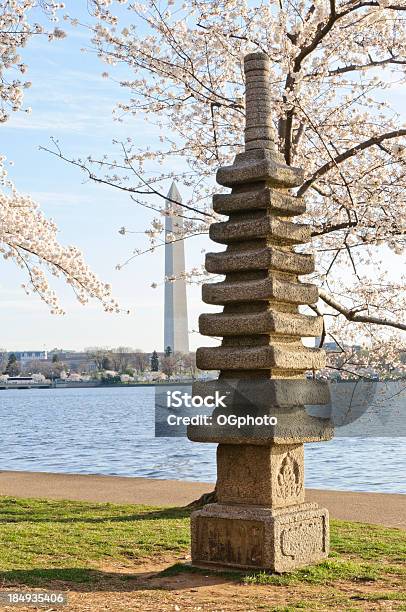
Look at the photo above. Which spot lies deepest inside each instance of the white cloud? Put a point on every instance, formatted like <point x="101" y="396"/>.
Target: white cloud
<point x="60" y="199"/>
<point x="49" y="122"/>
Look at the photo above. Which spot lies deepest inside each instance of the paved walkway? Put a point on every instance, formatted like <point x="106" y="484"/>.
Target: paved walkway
<point x="379" y="508"/>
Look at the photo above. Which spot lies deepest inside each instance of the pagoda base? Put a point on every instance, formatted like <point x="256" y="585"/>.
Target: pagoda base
<point x="226" y="536"/>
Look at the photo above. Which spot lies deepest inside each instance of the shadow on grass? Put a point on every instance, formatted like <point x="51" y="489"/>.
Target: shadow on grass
<point x="147" y="515"/>
<point x="93" y="580"/>
<point x="327" y="571"/>
<point x="183" y="575"/>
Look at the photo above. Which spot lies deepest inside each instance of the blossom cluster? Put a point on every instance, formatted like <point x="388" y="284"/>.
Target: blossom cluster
<point x="30" y="239"/>
<point x="27" y="237"/>
<point x="15" y="33"/>
<point x="333" y="66"/>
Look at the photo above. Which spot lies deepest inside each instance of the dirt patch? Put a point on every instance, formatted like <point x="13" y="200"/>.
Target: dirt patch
<point x="148" y="587"/>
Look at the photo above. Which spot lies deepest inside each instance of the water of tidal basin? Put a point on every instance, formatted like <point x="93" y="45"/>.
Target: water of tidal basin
<point x="111" y="431"/>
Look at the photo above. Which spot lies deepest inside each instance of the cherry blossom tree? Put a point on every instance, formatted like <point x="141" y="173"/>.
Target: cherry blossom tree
<point x="27" y="237"/>
<point x="335" y="67"/>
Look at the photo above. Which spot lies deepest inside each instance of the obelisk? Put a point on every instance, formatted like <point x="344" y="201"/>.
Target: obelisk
<point x="261" y="519"/>
<point x="175" y="318"/>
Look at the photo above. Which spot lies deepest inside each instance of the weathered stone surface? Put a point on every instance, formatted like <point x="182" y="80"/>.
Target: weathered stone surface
<point x="260" y="144"/>
<point x="268" y="258"/>
<point x="260" y="117"/>
<point x="279" y="356"/>
<point x="259" y="165"/>
<point x="294" y="426"/>
<point x="259" y="131"/>
<point x="266" y="394"/>
<point x="248" y="537"/>
<point x="281" y="398"/>
<point x="260" y="475"/>
<point x="257" y="72"/>
<point x="270" y="321"/>
<point x="264" y="289"/>
<point x="255" y="61"/>
<point x="279" y="203"/>
<point x="266" y="226"/>
<point x="254" y="133"/>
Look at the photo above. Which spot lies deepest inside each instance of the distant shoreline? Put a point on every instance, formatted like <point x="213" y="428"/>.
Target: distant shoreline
<point x="170" y="383"/>
<point x="91" y="385"/>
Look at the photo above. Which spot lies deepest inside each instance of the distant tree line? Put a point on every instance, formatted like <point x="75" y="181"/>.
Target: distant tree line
<point x="125" y="360"/>
<point x="98" y="360"/>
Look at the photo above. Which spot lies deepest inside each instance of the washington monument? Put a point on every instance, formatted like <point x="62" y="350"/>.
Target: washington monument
<point x="176" y="324"/>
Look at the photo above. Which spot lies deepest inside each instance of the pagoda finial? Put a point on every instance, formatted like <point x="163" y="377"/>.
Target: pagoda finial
<point x="258" y="123"/>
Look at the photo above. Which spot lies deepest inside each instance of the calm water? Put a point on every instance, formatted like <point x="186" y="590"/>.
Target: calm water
<point x="111" y="431"/>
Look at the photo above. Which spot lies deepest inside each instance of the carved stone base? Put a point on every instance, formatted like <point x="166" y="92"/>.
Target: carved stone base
<point x="270" y="476"/>
<point x="255" y="537"/>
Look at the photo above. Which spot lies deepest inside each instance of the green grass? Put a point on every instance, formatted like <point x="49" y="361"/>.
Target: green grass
<point x="323" y="573"/>
<point x="43" y="540"/>
<point x="380" y="597"/>
<point x="359" y="552"/>
<point x="370" y="542"/>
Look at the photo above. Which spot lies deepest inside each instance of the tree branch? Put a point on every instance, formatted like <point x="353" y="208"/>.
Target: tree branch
<point x="375" y="140"/>
<point x="96" y="179"/>
<point x="333" y="228"/>
<point x="356" y="67"/>
<point x="323" y="29"/>
<point x="351" y="314"/>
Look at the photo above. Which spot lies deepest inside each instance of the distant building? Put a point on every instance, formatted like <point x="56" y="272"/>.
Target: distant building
<point x="74" y="360"/>
<point x="333" y="347"/>
<point x="25" y="356"/>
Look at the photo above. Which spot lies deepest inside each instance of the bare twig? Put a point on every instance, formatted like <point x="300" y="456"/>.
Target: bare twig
<point x="375" y="140"/>
<point x="352" y="314"/>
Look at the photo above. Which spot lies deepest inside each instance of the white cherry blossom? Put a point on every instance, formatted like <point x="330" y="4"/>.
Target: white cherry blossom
<point x="334" y="64"/>
<point x="27" y="237"/>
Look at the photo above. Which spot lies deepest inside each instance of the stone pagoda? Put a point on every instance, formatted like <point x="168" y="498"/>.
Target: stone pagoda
<point x="261" y="519"/>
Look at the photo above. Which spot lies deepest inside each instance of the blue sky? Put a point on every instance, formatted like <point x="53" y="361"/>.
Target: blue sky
<point x="73" y="103"/>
